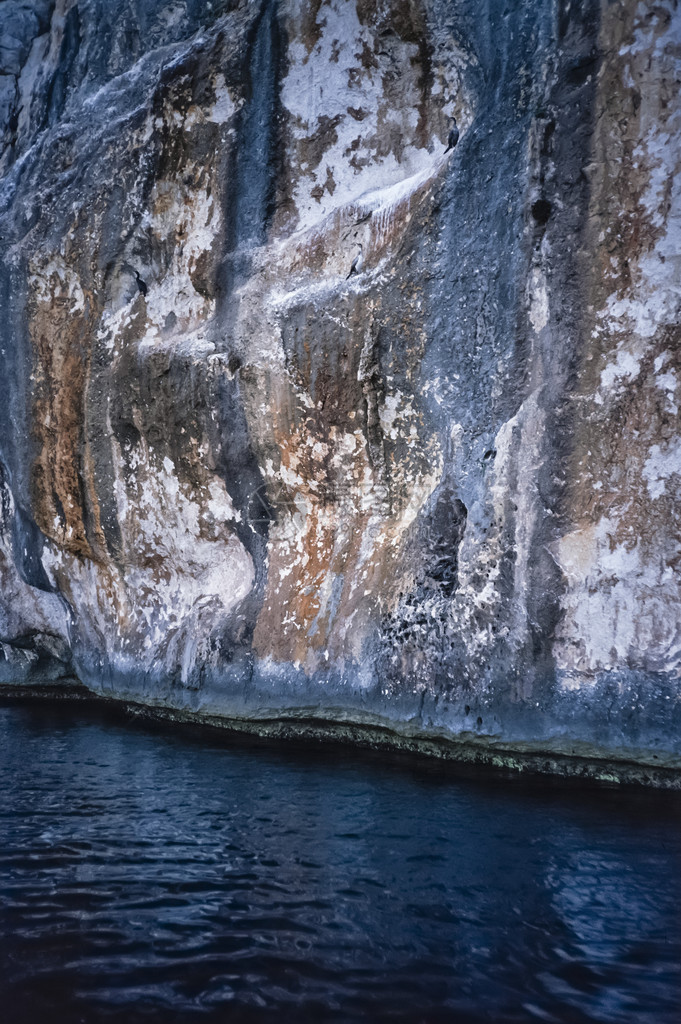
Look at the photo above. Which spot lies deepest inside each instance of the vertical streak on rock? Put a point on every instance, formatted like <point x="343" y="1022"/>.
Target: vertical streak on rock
<point x="557" y="219"/>
<point x="251" y="186"/>
<point x="17" y="444"/>
<point x="250" y="192"/>
<point x="256" y="162"/>
<point x="56" y="94"/>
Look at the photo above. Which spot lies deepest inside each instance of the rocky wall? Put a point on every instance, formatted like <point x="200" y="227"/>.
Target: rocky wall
<point x="438" y="496"/>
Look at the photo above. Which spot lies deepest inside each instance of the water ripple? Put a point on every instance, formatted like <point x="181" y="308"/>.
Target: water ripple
<point x="149" y="875"/>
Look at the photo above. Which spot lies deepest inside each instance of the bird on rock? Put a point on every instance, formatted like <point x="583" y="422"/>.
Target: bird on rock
<point x="357" y="264"/>
<point x="453" y="137"/>
<point x="140" y="283"/>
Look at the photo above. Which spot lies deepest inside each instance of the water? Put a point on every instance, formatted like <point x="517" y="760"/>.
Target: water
<point x="150" y="874"/>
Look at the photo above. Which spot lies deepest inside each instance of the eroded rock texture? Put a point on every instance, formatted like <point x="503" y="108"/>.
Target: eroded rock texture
<point x="440" y="494"/>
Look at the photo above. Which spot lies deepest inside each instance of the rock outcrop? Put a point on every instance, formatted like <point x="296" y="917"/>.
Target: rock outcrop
<point x="439" y="496"/>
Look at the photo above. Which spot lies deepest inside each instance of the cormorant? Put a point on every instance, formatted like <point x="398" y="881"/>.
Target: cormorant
<point x="140" y="283"/>
<point x="453" y="137"/>
<point x="357" y="264"/>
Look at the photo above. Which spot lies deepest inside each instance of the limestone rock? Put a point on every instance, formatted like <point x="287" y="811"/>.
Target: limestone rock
<point x="440" y="496"/>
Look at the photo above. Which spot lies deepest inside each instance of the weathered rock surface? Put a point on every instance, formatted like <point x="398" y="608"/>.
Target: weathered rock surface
<point x="441" y="495"/>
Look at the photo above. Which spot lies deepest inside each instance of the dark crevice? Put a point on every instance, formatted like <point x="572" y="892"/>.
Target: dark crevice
<point x="442" y="530"/>
<point x="561" y="211"/>
<point x="27" y="549"/>
<point x="541" y="211"/>
<point x="255" y="164"/>
<point x="253" y="173"/>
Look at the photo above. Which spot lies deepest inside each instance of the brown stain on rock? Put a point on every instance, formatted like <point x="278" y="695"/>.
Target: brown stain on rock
<point x="614" y="435"/>
<point x="59" y="340"/>
<point x="340" y="486"/>
<point x="406" y="20"/>
<point x="623" y="414"/>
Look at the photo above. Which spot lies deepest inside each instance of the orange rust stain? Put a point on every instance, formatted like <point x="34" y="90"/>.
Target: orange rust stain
<point x="58" y="337"/>
<point x="298" y="620"/>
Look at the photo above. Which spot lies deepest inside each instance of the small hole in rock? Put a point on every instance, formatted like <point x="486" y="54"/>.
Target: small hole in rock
<point x="541" y="210"/>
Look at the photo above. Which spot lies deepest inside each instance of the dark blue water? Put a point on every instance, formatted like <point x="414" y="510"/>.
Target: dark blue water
<point x="157" y="875"/>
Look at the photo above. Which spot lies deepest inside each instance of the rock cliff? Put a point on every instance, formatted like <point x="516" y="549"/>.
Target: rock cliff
<point x="439" y="496"/>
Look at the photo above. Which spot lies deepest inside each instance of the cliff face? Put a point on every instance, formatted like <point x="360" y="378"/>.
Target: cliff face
<point x="439" y="495"/>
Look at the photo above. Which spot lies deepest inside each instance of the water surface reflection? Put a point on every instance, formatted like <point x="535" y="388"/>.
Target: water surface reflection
<point x="147" y="874"/>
